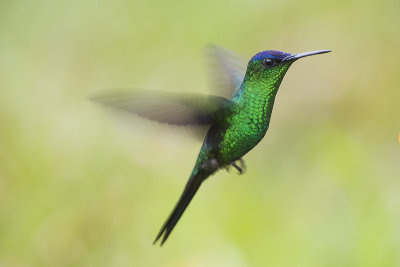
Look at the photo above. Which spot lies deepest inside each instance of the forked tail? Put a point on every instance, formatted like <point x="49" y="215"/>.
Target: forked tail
<point x="190" y="190"/>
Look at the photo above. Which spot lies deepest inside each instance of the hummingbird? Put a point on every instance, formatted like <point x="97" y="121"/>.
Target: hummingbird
<point x="236" y="122"/>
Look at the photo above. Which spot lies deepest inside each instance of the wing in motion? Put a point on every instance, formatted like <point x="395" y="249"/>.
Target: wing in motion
<point x="167" y="107"/>
<point x="226" y="70"/>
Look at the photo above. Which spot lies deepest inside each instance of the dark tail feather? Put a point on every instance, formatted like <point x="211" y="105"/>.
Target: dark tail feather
<point x="190" y="190"/>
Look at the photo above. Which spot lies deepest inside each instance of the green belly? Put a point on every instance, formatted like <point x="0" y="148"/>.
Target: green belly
<point x="244" y="132"/>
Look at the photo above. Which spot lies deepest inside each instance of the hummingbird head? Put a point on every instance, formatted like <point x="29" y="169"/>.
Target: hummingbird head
<point x="270" y="66"/>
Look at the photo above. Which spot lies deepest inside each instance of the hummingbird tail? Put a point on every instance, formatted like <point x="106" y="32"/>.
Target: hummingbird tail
<point x="190" y="190"/>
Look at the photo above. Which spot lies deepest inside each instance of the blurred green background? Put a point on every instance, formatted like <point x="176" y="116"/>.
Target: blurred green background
<point x="80" y="186"/>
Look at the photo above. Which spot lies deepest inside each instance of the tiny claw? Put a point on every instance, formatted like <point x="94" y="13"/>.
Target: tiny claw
<point x="244" y="167"/>
<point x="241" y="169"/>
<point x="237" y="167"/>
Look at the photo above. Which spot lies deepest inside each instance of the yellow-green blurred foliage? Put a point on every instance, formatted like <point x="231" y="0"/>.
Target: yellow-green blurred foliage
<point x="80" y="186"/>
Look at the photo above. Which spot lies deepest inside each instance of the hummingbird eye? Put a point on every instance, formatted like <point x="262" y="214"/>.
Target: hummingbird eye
<point x="268" y="62"/>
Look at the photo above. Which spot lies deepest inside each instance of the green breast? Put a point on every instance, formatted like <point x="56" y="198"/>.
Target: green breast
<point x="246" y="126"/>
<point x="248" y="123"/>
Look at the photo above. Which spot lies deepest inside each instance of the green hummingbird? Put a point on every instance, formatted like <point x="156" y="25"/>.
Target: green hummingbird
<point x="236" y="123"/>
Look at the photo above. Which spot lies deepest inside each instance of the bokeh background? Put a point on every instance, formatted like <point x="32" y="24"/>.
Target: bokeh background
<point x="80" y="186"/>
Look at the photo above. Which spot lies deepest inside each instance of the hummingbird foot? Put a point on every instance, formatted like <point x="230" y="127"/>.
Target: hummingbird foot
<point x="241" y="168"/>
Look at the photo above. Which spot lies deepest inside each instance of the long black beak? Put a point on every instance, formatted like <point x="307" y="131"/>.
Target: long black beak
<point x="306" y="54"/>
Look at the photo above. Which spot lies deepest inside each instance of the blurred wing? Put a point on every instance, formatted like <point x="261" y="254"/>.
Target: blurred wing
<point x="167" y="107"/>
<point x="226" y="70"/>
